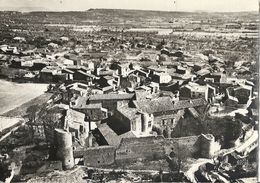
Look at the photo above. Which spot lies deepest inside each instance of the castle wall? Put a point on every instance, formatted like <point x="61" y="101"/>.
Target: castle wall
<point x="103" y="155"/>
<point x="145" y="148"/>
<point x="133" y="149"/>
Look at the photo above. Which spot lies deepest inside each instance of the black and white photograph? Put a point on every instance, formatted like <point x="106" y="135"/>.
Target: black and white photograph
<point x="124" y="91"/>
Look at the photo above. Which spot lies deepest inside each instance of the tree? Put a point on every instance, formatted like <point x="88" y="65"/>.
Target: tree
<point x="178" y="155"/>
<point x="50" y="119"/>
<point x="229" y="128"/>
<point x="32" y="115"/>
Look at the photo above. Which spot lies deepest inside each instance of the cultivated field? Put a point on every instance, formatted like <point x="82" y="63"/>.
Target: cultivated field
<point x="13" y="95"/>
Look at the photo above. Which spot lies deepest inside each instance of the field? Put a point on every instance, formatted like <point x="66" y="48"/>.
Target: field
<point x="13" y="95"/>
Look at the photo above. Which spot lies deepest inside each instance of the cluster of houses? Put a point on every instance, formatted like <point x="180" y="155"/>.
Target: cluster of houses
<point x="104" y="97"/>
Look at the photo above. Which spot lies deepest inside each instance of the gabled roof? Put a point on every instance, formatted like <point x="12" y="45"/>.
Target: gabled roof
<point x="183" y="104"/>
<point x="68" y="71"/>
<point x="86" y="74"/>
<point x="110" y="136"/>
<point x="155" y="105"/>
<point x="195" y="87"/>
<point x="111" y="96"/>
<point x="165" y="104"/>
<point x="75" y="116"/>
<point x="203" y="72"/>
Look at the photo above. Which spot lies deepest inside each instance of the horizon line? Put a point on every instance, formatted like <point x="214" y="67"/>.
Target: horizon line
<point x="184" y="11"/>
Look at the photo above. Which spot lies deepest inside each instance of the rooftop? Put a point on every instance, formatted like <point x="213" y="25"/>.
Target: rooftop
<point x="111" y="96"/>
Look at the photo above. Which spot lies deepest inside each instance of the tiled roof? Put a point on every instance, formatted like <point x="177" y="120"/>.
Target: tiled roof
<point x="75" y="116"/>
<point x="111" y="96"/>
<point x="155" y="105"/>
<point x="165" y="104"/>
<point x="128" y="112"/>
<point x="86" y="74"/>
<point x="67" y="70"/>
<point x="183" y="104"/>
<point x="110" y="136"/>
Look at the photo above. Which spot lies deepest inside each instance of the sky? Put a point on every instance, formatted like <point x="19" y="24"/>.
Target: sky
<point x="164" y="5"/>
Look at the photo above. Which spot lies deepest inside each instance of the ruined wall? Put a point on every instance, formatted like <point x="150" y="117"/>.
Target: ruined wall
<point x="102" y="155"/>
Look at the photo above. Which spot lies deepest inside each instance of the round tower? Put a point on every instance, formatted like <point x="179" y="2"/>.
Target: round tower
<point x="208" y="146"/>
<point x="64" y="148"/>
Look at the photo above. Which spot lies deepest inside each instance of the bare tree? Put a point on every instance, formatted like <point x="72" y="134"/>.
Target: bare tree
<point x="178" y="155"/>
<point x="32" y="115"/>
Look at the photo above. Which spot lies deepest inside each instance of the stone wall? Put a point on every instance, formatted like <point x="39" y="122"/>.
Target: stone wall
<point x="102" y="155"/>
<point x="145" y="148"/>
<point x="133" y="149"/>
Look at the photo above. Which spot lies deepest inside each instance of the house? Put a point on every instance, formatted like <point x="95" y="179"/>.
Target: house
<point x="19" y="39"/>
<point x="203" y="73"/>
<point x="110" y="137"/>
<point x="126" y="122"/>
<point x="193" y="90"/>
<point x="48" y="72"/>
<point x="161" y="78"/>
<point x="53" y="46"/>
<point x="155" y="88"/>
<point x="109" y="101"/>
<point x="243" y="93"/>
<point x="181" y="70"/>
<point x="123" y="69"/>
<point x="131" y="81"/>
<point x="75" y="90"/>
<point x="69" y="74"/>
<point x="10" y="50"/>
<point x="40" y="64"/>
<point x="80" y="75"/>
<point x="231" y="101"/>
<point x="109" y="81"/>
<point x="94" y="112"/>
<point x="156" y="69"/>
<point x="216" y="77"/>
<point x="104" y="72"/>
<point x="74" y="122"/>
<point x="65" y="39"/>
<point x="105" y="89"/>
<point x="166" y="111"/>
<point x="90" y="65"/>
<point x="161" y="108"/>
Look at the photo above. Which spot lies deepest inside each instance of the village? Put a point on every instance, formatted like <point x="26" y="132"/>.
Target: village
<point x="132" y="105"/>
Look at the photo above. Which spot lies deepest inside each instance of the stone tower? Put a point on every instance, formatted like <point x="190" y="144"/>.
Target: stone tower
<point x="64" y="149"/>
<point x="208" y="145"/>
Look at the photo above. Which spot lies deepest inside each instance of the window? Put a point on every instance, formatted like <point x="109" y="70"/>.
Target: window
<point x="149" y="124"/>
<point x="164" y="122"/>
<point x="172" y="121"/>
